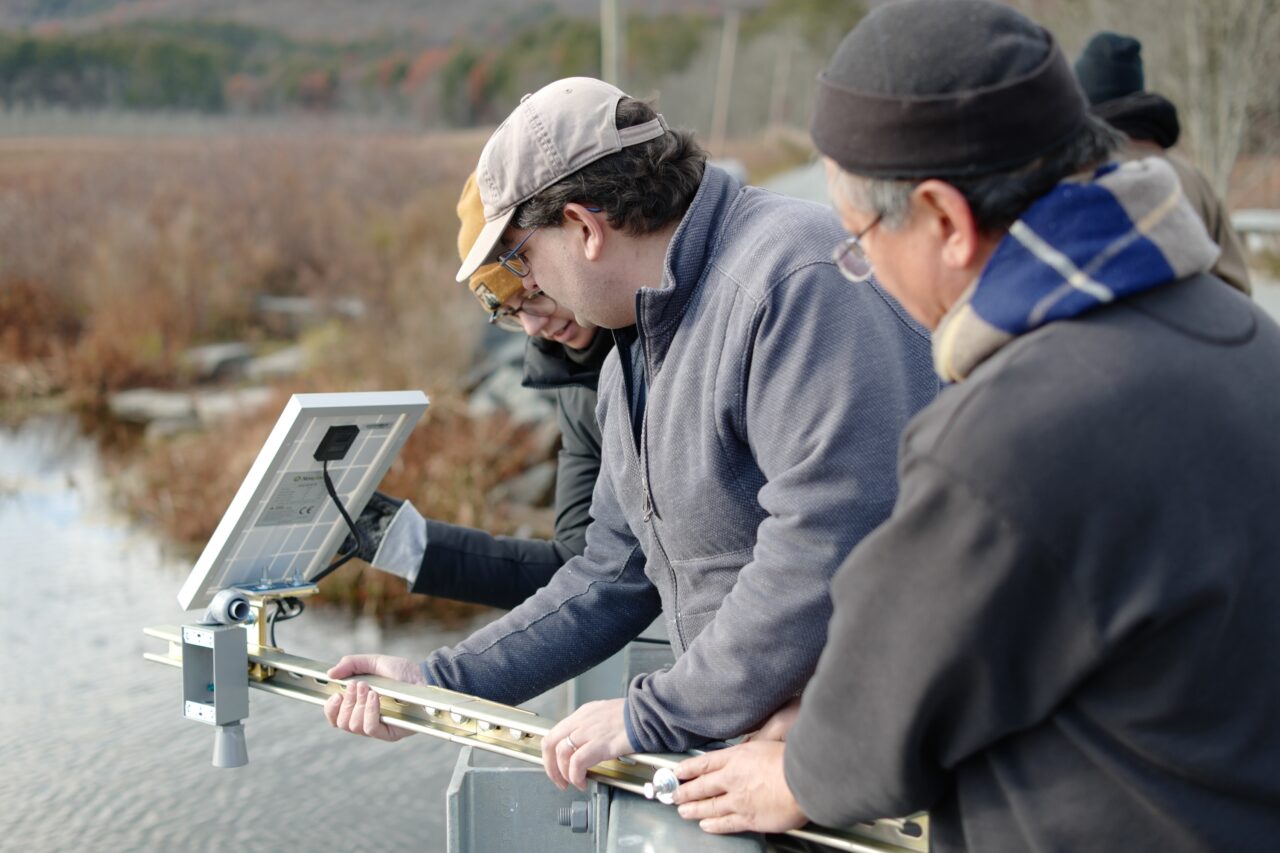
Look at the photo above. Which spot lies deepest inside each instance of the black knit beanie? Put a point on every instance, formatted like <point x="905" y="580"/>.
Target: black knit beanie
<point x="945" y="88"/>
<point x="1110" y="67"/>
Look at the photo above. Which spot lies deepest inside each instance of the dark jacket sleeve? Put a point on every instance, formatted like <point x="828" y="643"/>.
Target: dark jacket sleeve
<point x="952" y="627"/>
<point x="590" y="609"/>
<point x="472" y="565"/>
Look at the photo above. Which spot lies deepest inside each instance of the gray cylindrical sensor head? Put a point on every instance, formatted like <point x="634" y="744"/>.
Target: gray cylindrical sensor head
<point x="229" y="747"/>
<point x="229" y="607"/>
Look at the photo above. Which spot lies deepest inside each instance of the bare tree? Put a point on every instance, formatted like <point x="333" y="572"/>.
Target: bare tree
<point x="1230" y="61"/>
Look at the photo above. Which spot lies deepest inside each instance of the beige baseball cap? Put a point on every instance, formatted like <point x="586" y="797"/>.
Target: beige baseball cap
<point x="553" y="133"/>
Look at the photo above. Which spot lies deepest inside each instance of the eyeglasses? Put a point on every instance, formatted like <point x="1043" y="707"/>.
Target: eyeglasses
<point x="514" y="260"/>
<point x="535" y="303"/>
<point x="851" y="258"/>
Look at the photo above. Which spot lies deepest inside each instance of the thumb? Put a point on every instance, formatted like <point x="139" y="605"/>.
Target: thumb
<point x="354" y="665"/>
<point x="691" y="768"/>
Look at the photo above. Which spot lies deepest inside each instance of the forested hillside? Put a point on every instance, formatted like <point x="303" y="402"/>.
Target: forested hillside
<point x="451" y="70"/>
<point x="327" y="19"/>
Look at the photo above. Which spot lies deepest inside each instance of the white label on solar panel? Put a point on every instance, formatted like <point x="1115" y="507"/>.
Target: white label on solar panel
<point x="296" y="501"/>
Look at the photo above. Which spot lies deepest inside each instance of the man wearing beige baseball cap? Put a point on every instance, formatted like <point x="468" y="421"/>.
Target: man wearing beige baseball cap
<point x="750" y="413"/>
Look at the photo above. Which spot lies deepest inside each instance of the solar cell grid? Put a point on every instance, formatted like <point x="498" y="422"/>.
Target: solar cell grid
<point x="282" y="526"/>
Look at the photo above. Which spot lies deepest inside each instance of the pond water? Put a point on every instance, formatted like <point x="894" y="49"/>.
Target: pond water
<point x="94" y="754"/>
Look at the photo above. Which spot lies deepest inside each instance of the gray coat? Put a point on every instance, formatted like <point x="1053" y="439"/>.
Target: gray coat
<point x="776" y="391"/>
<point x="1067" y="636"/>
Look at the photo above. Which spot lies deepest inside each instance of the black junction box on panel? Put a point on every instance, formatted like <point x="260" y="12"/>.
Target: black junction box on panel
<point x="336" y="442"/>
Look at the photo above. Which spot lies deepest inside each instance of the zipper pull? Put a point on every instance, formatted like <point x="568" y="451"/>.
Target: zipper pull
<point x="648" y="505"/>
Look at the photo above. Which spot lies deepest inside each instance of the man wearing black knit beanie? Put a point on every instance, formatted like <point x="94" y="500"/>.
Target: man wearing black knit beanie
<point x="1064" y="638"/>
<point x="1111" y="73"/>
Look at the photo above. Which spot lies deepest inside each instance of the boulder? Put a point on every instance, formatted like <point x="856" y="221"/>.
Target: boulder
<point x="214" y="406"/>
<point x="502" y="391"/>
<point x="217" y="361"/>
<point x="534" y="487"/>
<point x="143" y="405"/>
<point x="285" y="362"/>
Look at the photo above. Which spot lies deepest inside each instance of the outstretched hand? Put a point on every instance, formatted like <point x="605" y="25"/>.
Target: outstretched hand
<point x="357" y="709"/>
<point x="738" y="789"/>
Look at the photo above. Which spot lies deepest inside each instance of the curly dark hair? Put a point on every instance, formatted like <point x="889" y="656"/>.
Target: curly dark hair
<point x="641" y="189"/>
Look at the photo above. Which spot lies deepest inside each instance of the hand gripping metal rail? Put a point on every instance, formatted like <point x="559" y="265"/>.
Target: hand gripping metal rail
<point x="515" y="733"/>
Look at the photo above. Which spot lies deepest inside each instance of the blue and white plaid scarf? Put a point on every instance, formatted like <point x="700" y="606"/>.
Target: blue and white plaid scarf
<point x="1124" y="229"/>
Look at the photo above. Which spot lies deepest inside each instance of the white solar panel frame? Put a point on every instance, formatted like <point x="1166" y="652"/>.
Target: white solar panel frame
<point x="242" y="551"/>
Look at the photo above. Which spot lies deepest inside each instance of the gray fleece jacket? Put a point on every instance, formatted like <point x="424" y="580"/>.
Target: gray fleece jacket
<point x="775" y="393"/>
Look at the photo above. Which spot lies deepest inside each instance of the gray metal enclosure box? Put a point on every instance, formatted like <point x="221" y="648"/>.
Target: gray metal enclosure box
<point x="500" y="805"/>
<point x="215" y="683"/>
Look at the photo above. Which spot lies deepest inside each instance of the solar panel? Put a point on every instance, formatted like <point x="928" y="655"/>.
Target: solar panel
<point x="282" y="529"/>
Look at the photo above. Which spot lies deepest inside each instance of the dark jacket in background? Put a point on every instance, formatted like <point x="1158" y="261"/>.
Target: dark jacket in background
<point x="472" y="565"/>
<point x="1089" y="647"/>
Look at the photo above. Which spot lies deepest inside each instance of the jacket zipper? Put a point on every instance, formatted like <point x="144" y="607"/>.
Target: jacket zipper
<point x="648" y="510"/>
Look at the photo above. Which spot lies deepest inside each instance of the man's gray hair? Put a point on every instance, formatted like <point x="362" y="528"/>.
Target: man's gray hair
<point x="641" y="189"/>
<point x="997" y="200"/>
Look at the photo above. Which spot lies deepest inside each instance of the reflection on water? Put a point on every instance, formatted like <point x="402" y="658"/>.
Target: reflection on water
<point x="94" y="754"/>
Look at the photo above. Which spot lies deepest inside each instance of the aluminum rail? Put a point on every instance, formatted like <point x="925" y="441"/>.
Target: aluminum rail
<point x="512" y="732"/>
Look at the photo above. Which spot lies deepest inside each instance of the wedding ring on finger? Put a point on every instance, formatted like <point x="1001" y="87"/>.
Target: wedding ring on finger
<point x="573" y="747"/>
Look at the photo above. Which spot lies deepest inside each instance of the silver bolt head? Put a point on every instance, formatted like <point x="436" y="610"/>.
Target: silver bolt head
<point x="665" y="785"/>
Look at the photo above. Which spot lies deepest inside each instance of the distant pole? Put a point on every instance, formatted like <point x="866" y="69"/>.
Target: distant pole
<point x="611" y="42"/>
<point x="781" y="82"/>
<point x="724" y="80"/>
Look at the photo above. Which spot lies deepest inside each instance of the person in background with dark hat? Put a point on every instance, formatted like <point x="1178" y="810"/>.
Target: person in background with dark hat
<point x="562" y="355"/>
<point x="1111" y="73"/>
<point x="1065" y="637"/>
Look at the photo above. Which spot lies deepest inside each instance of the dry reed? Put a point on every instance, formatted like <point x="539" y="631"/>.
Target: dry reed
<point x="118" y="254"/>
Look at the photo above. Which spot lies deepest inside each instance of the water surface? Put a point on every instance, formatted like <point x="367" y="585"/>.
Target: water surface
<point x="94" y="753"/>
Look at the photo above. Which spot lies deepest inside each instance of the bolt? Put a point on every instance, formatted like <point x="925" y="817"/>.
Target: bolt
<point x="663" y="787"/>
<point x="574" y="816"/>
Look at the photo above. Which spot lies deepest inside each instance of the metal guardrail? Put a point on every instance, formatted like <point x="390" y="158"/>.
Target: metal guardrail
<point x="1256" y="221"/>
<point x="511" y="732"/>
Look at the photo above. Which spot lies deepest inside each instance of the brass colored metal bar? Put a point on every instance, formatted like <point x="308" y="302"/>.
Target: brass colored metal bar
<point x="511" y="732"/>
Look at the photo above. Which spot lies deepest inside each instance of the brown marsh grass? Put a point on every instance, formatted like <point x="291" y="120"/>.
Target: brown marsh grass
<point x="118" y="254"/>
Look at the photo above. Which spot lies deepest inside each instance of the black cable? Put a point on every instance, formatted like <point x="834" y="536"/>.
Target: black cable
<point x="356" y="536"/>
<point x="271" y="624"/>
<point x="285" y="609"/>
